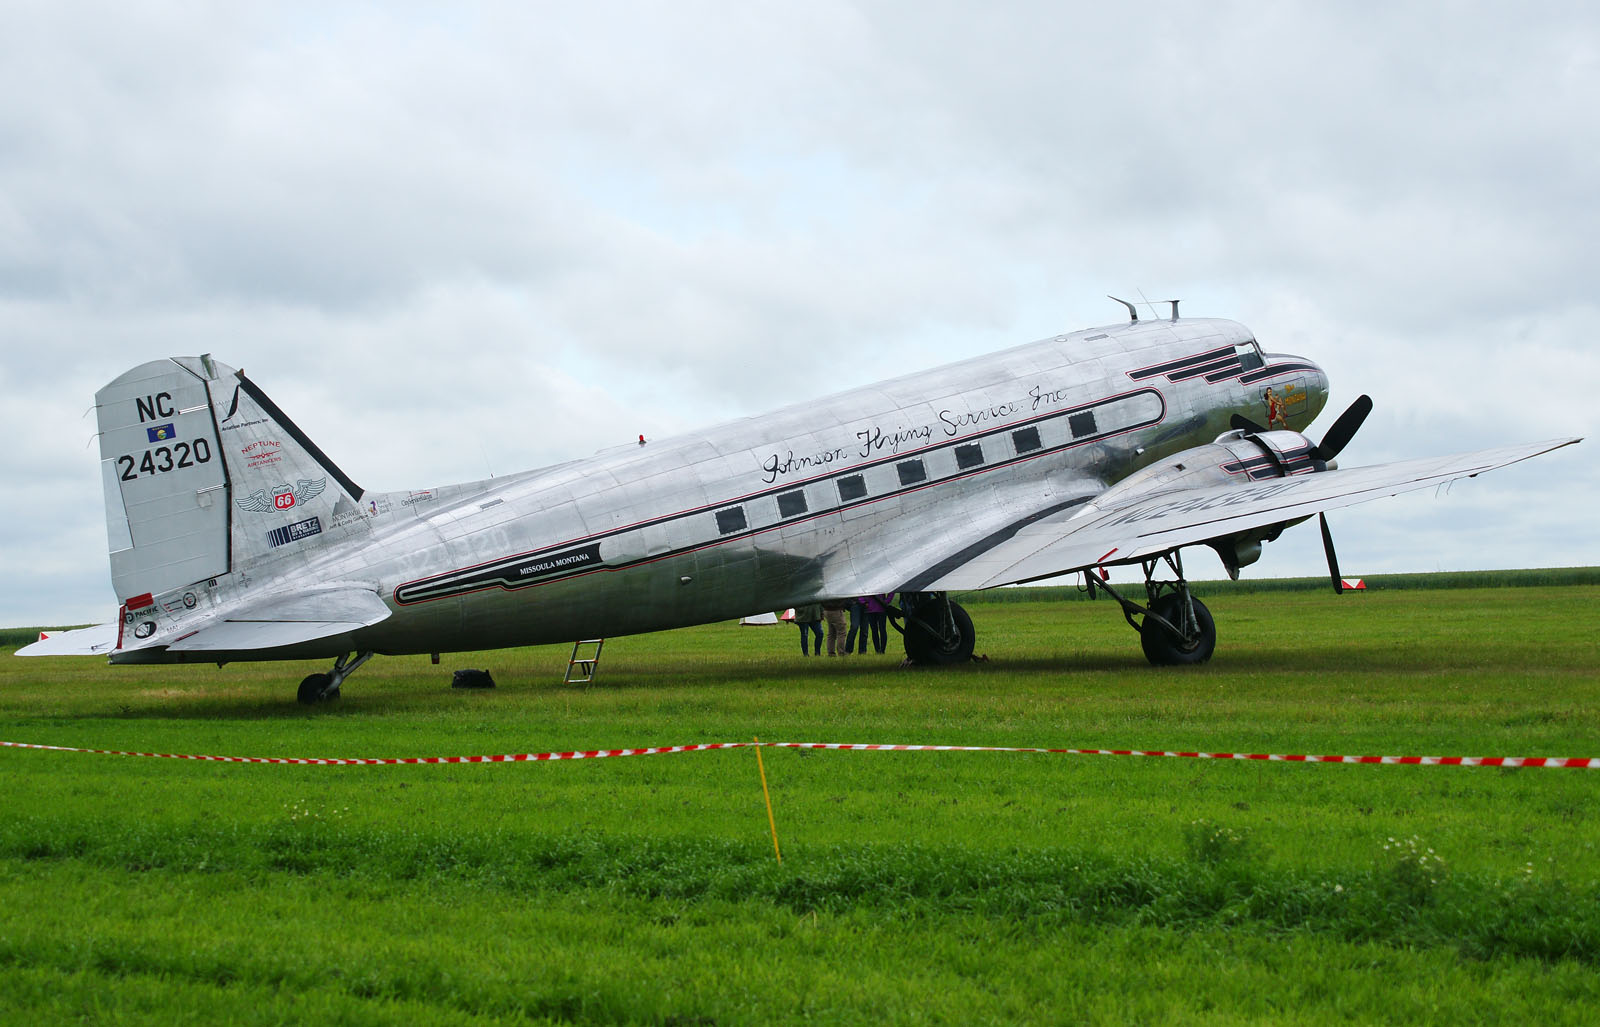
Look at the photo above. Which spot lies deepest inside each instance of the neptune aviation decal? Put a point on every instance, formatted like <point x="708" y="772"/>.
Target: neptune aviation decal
<point x="262" y="452"/>
<point x="282" y="497"/>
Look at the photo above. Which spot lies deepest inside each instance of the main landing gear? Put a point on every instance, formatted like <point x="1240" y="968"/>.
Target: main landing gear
<point x="1177" y="628"/>
<point x="936" y="631"/>
<point x="319" y="687"/>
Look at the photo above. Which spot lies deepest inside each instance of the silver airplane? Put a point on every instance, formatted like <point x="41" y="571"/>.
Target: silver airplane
<point x="234" y="537"/>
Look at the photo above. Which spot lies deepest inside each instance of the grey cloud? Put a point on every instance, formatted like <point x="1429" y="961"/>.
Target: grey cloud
<point x="637" y="217"/>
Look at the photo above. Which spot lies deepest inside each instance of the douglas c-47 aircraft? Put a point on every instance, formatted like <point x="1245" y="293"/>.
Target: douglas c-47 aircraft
<point x="234" y="537"/>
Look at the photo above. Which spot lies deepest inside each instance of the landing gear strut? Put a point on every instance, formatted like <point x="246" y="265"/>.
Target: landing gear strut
<point x="937" y="631"/>
<point x="1177" y="629"/>
<point x="319" y="687"/>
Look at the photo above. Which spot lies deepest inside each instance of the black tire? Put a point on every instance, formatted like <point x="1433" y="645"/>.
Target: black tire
<point x="923" y="647"/>
<point x="313" y="687"/>
<point x="1163" y="648"/>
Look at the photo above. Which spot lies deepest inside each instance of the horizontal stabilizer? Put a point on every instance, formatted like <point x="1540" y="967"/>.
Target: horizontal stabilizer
<point x="290" y="620"/>
<point x="96" y="641"/>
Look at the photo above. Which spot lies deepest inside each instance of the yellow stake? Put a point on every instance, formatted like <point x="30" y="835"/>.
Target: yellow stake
<point x="767" y="796"/>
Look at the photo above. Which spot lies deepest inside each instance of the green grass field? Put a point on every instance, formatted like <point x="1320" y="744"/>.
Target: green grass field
<point x="915" y="887"/>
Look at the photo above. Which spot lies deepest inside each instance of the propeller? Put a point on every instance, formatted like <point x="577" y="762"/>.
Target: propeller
<point x="1333" y="560"/>
<point x="1339" y="436"/>
<point x="1343" y="430"/>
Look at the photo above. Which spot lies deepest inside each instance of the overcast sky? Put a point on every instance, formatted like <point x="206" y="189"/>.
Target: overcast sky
<point x="475" y="241"/>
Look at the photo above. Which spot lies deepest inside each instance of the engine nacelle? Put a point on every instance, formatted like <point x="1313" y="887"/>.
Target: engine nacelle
<point x="1236" y="457"/>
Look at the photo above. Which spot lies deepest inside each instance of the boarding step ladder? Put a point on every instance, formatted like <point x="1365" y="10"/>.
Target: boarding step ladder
<point x="581" y="669"/>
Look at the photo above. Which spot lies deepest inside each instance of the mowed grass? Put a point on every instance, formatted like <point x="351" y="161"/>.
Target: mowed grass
<point x="915" y="887"/>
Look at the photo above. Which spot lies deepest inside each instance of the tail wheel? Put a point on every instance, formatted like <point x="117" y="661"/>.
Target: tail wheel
<point x="939" y="633"/>
<point x="1195" y="645"/>
<point x="314" y="689"/>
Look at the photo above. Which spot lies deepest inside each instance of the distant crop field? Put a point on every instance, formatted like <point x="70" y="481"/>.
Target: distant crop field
<point x="920" y="887"/>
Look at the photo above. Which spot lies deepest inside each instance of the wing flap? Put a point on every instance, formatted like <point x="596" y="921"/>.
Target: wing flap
<point x="1154" y="523"/>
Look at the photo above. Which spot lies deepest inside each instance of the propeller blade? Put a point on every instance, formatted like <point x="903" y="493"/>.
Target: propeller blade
<point x="1343" y="429"/>
<point x="1239" y="422"/>
<point x="1333" y="561"/>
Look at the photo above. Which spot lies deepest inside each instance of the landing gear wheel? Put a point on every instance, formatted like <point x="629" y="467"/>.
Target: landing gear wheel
<point x="951" y="645"/>
<point x="1163" y="648"/>
<point x="321" y="687"/>
<point x="314" y="689"/>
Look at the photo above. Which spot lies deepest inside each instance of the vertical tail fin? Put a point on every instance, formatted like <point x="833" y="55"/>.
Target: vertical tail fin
<point x="205" y="477"/>
<point x="287" y="498"/>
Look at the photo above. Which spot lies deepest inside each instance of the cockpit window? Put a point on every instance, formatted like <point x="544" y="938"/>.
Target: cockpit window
<point x="1250" y="356"/>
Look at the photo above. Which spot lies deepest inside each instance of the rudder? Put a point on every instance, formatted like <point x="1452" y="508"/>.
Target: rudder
<point x="165" y="480"/>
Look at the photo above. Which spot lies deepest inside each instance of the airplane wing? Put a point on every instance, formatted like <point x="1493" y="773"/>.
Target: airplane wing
<point x="287" y="621"/>
<point x="1148" y="524"/>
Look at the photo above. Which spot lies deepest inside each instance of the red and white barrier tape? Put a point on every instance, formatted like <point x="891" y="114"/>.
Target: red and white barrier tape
<point x="360" y="762"/>
<point x="1580" y="763"/>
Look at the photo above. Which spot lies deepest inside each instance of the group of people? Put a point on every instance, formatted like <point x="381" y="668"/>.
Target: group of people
<point x="865" y="615"/>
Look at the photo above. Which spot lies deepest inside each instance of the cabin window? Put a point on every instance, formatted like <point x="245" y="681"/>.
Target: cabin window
<point x="731" y="519"/>
<point x="1249" y="355"/>
<point x="791" y="504"/>
<point x="1082" y="423"/>
<point x="1026" y="439"/>
<point x="970" y="455"/>
<point x="911" y="472"/>
<point x="853" y="487"/>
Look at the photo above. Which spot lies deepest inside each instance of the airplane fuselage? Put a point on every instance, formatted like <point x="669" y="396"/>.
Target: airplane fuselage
<point x="818" y="499"/>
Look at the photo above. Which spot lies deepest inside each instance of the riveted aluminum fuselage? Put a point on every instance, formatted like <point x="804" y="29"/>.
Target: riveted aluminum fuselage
<point x="873" y="490"/>
<point x="862" y="492"/>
